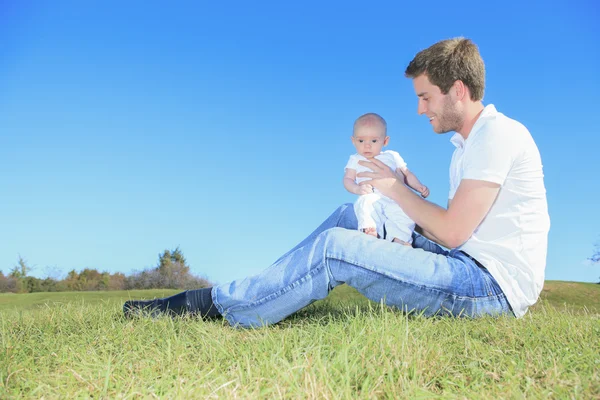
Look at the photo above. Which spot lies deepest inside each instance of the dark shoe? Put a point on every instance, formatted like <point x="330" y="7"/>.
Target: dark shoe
<point x="193" y="302"/>
<point x="140" y="308"/>
<point x="174" y="305"/>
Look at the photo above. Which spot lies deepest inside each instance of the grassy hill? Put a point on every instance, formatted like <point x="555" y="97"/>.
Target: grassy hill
<point x="78" y="345"/>
<point x="572" y="295"/>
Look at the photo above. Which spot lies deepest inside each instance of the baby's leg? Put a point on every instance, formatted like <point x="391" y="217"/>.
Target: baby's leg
<point x="368" y="218"/>
<point x="399" y="226"/>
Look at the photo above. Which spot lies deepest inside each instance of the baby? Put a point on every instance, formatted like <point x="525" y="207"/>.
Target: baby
<point x="375" y="212"/>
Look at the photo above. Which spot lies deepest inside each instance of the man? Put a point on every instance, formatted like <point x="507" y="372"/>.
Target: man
<point x="496" y="224"/>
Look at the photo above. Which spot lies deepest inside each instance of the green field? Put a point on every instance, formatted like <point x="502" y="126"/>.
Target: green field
<point x="78" y="345"/>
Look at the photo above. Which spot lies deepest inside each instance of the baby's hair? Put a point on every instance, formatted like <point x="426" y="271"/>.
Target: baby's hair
<point x="370" y="119"/>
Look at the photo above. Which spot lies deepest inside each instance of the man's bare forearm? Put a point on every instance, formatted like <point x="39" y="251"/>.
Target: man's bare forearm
<point x="429" y="236"/>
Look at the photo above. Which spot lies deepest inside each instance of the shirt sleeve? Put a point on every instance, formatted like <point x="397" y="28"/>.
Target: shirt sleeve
<point x="489" y="158"/>
<point x="352" y="163"/>
<point x="400" y="163"/>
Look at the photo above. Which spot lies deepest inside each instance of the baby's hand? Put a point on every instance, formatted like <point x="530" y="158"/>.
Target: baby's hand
<point x="424" y="190"/>
<point x="364" y="189"/>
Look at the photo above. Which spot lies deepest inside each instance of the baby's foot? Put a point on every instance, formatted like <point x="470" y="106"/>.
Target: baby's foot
<point x="396" y="240"/>
<point x="370" y="231"/>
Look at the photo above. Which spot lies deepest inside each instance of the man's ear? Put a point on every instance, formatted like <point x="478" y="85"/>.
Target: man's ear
<point x="459" y="90"/>
<point x="386" y="140"/>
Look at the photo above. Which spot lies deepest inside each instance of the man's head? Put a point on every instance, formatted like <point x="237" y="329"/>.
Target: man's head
<point x="369" y="135"/>
<point x="448" y="77"/>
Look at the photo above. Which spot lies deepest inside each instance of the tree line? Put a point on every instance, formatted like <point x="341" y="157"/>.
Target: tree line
<point x="171" y="272"/>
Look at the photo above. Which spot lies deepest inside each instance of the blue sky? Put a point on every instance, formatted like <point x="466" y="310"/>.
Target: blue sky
<point x="131" y="127"/>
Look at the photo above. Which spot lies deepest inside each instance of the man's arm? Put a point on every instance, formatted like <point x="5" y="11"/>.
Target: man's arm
<point x="428" y="235"/>
<point x="451" y="227"/>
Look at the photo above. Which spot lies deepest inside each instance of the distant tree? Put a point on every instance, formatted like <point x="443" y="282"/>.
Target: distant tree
<point x="172" y="272"/>
<point x="7" y="283"/>
<point x="116" y="281"/>
<point x="87" y="280"/>
<point x="71" y="282"/>
<point x="19" y="272"/>
<point x="173" y="268"/>
<point x="146" y="279"/>
<point x="32" y="285"/>
<point x="50" y="285"/>
<point x="90" y="279"/>
<point x="21" y="269"/>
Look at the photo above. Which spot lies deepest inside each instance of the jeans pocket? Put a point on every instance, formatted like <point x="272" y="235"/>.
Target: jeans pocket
<point x="491" y="286"/>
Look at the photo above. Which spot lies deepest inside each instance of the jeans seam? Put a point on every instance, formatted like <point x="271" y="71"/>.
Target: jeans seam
<point x="275" y="295"/>
<point x="220" y="308"/>
<point x="417" y="285"/>
<point x="487" y="284"/>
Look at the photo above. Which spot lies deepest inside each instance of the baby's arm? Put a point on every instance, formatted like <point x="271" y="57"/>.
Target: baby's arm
<point x="412" y="181"/>
<point x="351" y="185"/>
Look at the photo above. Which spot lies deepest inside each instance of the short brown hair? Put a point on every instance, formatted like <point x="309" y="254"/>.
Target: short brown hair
<point x="448" y="61"/>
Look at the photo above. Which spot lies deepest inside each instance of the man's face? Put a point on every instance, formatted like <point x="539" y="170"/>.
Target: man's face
<point x="443" y="113"/>
<point x="369" y="139"/>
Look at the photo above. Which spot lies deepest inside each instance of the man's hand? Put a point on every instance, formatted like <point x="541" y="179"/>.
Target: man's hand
<point x="382" y="176"/>
<point x="364" y="189"/>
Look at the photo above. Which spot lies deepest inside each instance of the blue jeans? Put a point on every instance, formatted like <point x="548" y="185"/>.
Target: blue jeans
<point x="424" y="278"/>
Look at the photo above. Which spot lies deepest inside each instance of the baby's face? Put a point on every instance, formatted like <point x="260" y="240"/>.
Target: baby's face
<point x="369" y="140"/>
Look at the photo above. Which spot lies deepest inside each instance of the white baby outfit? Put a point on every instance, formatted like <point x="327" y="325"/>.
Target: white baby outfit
<point x="374" y="210"/>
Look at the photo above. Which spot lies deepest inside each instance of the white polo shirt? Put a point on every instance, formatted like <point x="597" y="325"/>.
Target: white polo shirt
<point x="512" y="240"/>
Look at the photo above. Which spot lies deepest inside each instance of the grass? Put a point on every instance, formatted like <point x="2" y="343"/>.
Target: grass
<point x="77" y="345"/>
<point x="33" y="301"/>
<point x="572" y="295"/>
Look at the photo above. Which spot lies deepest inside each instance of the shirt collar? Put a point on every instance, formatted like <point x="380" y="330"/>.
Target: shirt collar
<point x="457" y="140"/>
<point x="489" y="111"/>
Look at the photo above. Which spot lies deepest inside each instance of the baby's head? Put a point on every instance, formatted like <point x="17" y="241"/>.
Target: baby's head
<point x="370" y="135"/>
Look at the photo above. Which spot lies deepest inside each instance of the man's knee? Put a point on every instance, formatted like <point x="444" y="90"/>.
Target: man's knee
<point x="347" y="216"/>
<point x="346" y="207"/>
<point x="338" y="237"/>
